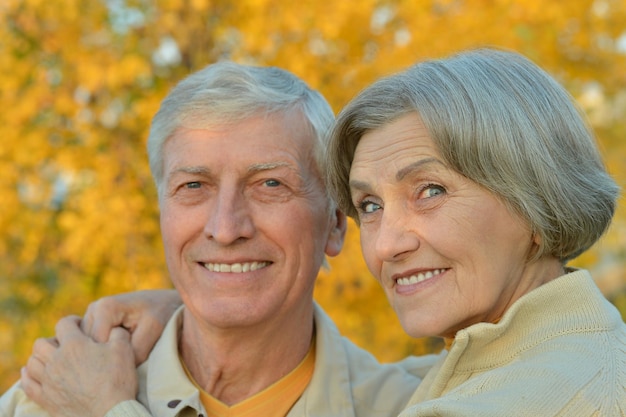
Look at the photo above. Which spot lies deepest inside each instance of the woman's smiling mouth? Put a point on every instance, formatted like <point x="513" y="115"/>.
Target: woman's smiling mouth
<point x="418" y="277"/>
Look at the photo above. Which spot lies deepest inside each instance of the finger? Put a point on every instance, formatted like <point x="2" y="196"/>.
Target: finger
<point x="34" y="369"/>
<point x="100" y="319"/>
<point x="119" y="334"/>
<point x="142" y="340"/>
<point x="86" y="324"/>
<point x="67" y="328"/>
<point x="101" y="330"/>
<point x="31" y="387"/>
<point x="43" y="348"/>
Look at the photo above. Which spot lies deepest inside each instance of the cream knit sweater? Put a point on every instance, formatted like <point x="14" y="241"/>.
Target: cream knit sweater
<point x="558" y="351"/>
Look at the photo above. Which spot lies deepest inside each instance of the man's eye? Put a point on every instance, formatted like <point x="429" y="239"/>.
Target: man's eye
<point x="193" y="185"/>
<point x="272" y="183"/>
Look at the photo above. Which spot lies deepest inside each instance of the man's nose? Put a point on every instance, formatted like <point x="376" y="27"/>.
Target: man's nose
<point x="230" y="218"/>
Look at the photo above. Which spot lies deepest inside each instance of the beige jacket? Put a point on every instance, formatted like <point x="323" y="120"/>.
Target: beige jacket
<point x="347" y="382"/>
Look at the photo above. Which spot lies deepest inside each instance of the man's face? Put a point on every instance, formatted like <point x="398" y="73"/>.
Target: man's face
<point x="245" y="220"/>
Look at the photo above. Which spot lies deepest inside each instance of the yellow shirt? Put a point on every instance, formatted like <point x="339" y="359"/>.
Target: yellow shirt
<point x="274" y="401"/>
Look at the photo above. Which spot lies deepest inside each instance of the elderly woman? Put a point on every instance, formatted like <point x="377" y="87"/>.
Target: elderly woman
<point x="474" y="180"/>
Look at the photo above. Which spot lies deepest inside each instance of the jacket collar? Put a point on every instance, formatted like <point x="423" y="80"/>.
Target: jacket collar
<point x="164" y="386"/>
<point x="329" y="392"/>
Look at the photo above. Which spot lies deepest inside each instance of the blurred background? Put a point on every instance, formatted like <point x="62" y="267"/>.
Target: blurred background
<point x="81" y="80"/>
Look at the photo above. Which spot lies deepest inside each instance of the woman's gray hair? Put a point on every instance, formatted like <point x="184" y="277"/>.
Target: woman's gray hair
<point x="504" y="123"/>
<point x="225" y="93"/>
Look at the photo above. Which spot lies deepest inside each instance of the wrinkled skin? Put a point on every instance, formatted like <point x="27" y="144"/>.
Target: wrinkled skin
<point x="72" y="375"/>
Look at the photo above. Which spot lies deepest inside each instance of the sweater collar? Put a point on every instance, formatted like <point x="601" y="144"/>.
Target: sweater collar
<point x="573" y="298"/>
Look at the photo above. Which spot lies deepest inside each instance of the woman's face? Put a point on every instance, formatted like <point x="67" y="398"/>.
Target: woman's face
<point x="447" y="252"/>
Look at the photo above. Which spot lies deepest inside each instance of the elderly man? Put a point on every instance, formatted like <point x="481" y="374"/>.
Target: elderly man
<point x="246" y="224"/>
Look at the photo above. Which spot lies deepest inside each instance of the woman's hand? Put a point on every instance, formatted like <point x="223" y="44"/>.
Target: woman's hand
<point x="143" y="313"/>
<point x="72" y="375"/>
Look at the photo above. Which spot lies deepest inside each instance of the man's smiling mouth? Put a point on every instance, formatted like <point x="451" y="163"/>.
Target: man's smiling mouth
<point x="236" y="267"/>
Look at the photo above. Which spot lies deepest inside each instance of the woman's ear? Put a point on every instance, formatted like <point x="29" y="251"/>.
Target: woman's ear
<point x="535" y="244"/>
<point x="337" y="233"/>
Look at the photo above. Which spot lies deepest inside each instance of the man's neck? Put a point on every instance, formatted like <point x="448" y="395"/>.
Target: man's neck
<point x="235" y="364"/>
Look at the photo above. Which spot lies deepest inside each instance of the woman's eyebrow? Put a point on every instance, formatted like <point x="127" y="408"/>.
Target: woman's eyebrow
<point x="415" y="166"/>
<point x="400" y="175"/>
<point x="359" y="185"/>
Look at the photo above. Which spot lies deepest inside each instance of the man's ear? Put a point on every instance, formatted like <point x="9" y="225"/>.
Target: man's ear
<point x="337" y="233"/>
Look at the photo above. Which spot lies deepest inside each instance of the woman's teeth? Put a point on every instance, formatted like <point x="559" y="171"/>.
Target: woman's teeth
<point x="422" y="276"/>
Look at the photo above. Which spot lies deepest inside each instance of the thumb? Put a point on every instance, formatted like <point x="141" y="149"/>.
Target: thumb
<point x="119" y="334"/>
<point x="98" y="325"/>
<point x="143" y="339"/>
<point x="68" y="328"/>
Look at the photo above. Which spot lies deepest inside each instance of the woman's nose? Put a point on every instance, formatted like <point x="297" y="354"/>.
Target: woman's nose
<point x="395" y="239"/>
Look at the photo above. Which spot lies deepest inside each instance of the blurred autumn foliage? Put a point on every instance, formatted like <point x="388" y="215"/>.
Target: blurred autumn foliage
<point x="80" y="81"/>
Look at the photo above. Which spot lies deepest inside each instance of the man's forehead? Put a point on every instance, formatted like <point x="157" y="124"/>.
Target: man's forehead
<point x="290" y="121"/>
<point x="259" y="146"/>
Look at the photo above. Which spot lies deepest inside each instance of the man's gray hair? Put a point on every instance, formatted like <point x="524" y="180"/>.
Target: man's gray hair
<point x="225" y="93"/>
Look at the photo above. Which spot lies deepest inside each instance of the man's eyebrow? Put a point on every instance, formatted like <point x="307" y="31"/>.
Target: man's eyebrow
<point x="193" y="170"/>
<point x="415" y="166"/>
<point x="266" y="166"/>
<point x="201" y="170"/>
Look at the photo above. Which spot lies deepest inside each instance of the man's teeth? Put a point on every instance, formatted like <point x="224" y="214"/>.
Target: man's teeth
<point x="422" y="276"/>
<point x="236" y="268"/>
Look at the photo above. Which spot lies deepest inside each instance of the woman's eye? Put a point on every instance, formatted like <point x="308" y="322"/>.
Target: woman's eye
<point x="272" y="183"/>
<point x="369" y="207"/>
<point x="431" y="190"/>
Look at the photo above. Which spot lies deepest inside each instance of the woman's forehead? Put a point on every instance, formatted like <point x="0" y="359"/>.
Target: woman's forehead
<point x="403" y="139"/>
